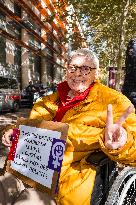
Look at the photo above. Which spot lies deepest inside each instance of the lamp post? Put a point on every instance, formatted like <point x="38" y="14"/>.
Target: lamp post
<point x="112" y="77"/>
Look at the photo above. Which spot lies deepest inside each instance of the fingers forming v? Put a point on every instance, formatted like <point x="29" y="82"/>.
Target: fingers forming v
<point x="124" y="116"/>
<point x="109" y="121"/>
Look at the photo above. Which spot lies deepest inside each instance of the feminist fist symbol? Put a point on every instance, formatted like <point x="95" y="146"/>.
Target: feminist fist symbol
<point x="57" y="153"/>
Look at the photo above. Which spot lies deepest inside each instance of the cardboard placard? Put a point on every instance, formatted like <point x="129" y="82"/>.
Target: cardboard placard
<point x="39" y="153"/>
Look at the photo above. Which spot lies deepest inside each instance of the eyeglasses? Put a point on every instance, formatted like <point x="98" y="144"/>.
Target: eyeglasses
<point x="84" y="70"/>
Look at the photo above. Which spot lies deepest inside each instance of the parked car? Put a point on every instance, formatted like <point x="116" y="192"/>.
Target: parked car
<point x="9" y="94"/>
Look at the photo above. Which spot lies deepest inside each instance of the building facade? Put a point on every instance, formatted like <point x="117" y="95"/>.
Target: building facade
<point x="33" y="40"/>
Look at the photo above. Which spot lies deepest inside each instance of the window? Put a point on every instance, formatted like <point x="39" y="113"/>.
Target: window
<point x="7" y="83"/>
<point x="4" y="83"/>
<point x="13" y="84"/>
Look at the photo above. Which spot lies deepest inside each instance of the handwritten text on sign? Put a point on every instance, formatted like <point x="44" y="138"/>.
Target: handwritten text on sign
<point x="39" y="153"/>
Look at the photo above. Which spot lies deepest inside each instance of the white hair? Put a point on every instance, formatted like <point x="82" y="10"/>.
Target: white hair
<point x="87" y="53"/>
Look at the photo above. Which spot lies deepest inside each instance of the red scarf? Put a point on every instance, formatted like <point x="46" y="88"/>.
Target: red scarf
<point x="63" y="107"/>
<point x="65" y="104"/>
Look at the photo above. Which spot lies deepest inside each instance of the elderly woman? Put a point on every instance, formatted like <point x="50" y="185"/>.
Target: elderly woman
<point x="99" y="118"/>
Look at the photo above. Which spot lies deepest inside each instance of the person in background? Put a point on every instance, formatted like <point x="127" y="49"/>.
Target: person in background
<point x="99" y="118"/>
<point x="30" y="90"/>
<point x="129" y="86"/>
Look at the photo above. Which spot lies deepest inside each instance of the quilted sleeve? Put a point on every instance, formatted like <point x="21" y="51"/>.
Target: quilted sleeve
<point x="45" y="108"/>
<point x="127" y="154"/>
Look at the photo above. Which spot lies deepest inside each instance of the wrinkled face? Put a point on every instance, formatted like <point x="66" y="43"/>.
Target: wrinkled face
<point x="81" y="72"/>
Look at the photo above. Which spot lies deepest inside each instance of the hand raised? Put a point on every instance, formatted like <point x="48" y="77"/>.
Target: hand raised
<point x="6" y="138"/>
<point x="115" y="134"/>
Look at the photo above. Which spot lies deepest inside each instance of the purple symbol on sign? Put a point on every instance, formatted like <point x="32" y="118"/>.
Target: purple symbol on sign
<point x="56" y="154"/>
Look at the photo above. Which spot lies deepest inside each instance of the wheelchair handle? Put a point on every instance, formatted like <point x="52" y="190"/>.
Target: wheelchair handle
<point x="98" y="159"/>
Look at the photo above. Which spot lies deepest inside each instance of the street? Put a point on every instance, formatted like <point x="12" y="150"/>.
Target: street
<point x="7" y="118"/>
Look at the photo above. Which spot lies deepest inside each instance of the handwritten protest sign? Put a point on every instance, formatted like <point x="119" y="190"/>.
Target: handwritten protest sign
<point x="39" y="156"/>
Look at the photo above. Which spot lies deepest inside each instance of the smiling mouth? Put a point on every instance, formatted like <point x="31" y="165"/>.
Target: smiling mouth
<point x="78" y="81"/>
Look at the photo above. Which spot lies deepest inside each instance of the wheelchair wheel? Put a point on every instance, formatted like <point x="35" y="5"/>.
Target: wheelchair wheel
<point x="123" y="190"/>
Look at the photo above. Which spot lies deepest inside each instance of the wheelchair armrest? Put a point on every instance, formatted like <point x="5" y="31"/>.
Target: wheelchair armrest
<point x="98" y="159"/>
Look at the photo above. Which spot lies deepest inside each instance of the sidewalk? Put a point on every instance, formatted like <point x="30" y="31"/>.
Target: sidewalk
<point x="9" y="119"/>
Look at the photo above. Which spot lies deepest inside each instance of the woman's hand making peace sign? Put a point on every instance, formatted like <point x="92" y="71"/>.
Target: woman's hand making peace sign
<point x="115" y="134"/>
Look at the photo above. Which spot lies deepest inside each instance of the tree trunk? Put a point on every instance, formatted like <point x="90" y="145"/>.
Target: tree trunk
<point x="122" y="36"/>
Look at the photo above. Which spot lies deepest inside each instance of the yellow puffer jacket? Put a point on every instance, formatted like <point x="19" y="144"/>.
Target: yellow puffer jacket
<point x="86" y="134"/>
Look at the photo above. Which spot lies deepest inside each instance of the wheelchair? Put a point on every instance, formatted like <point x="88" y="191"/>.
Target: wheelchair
<point x="112" y="186"/>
